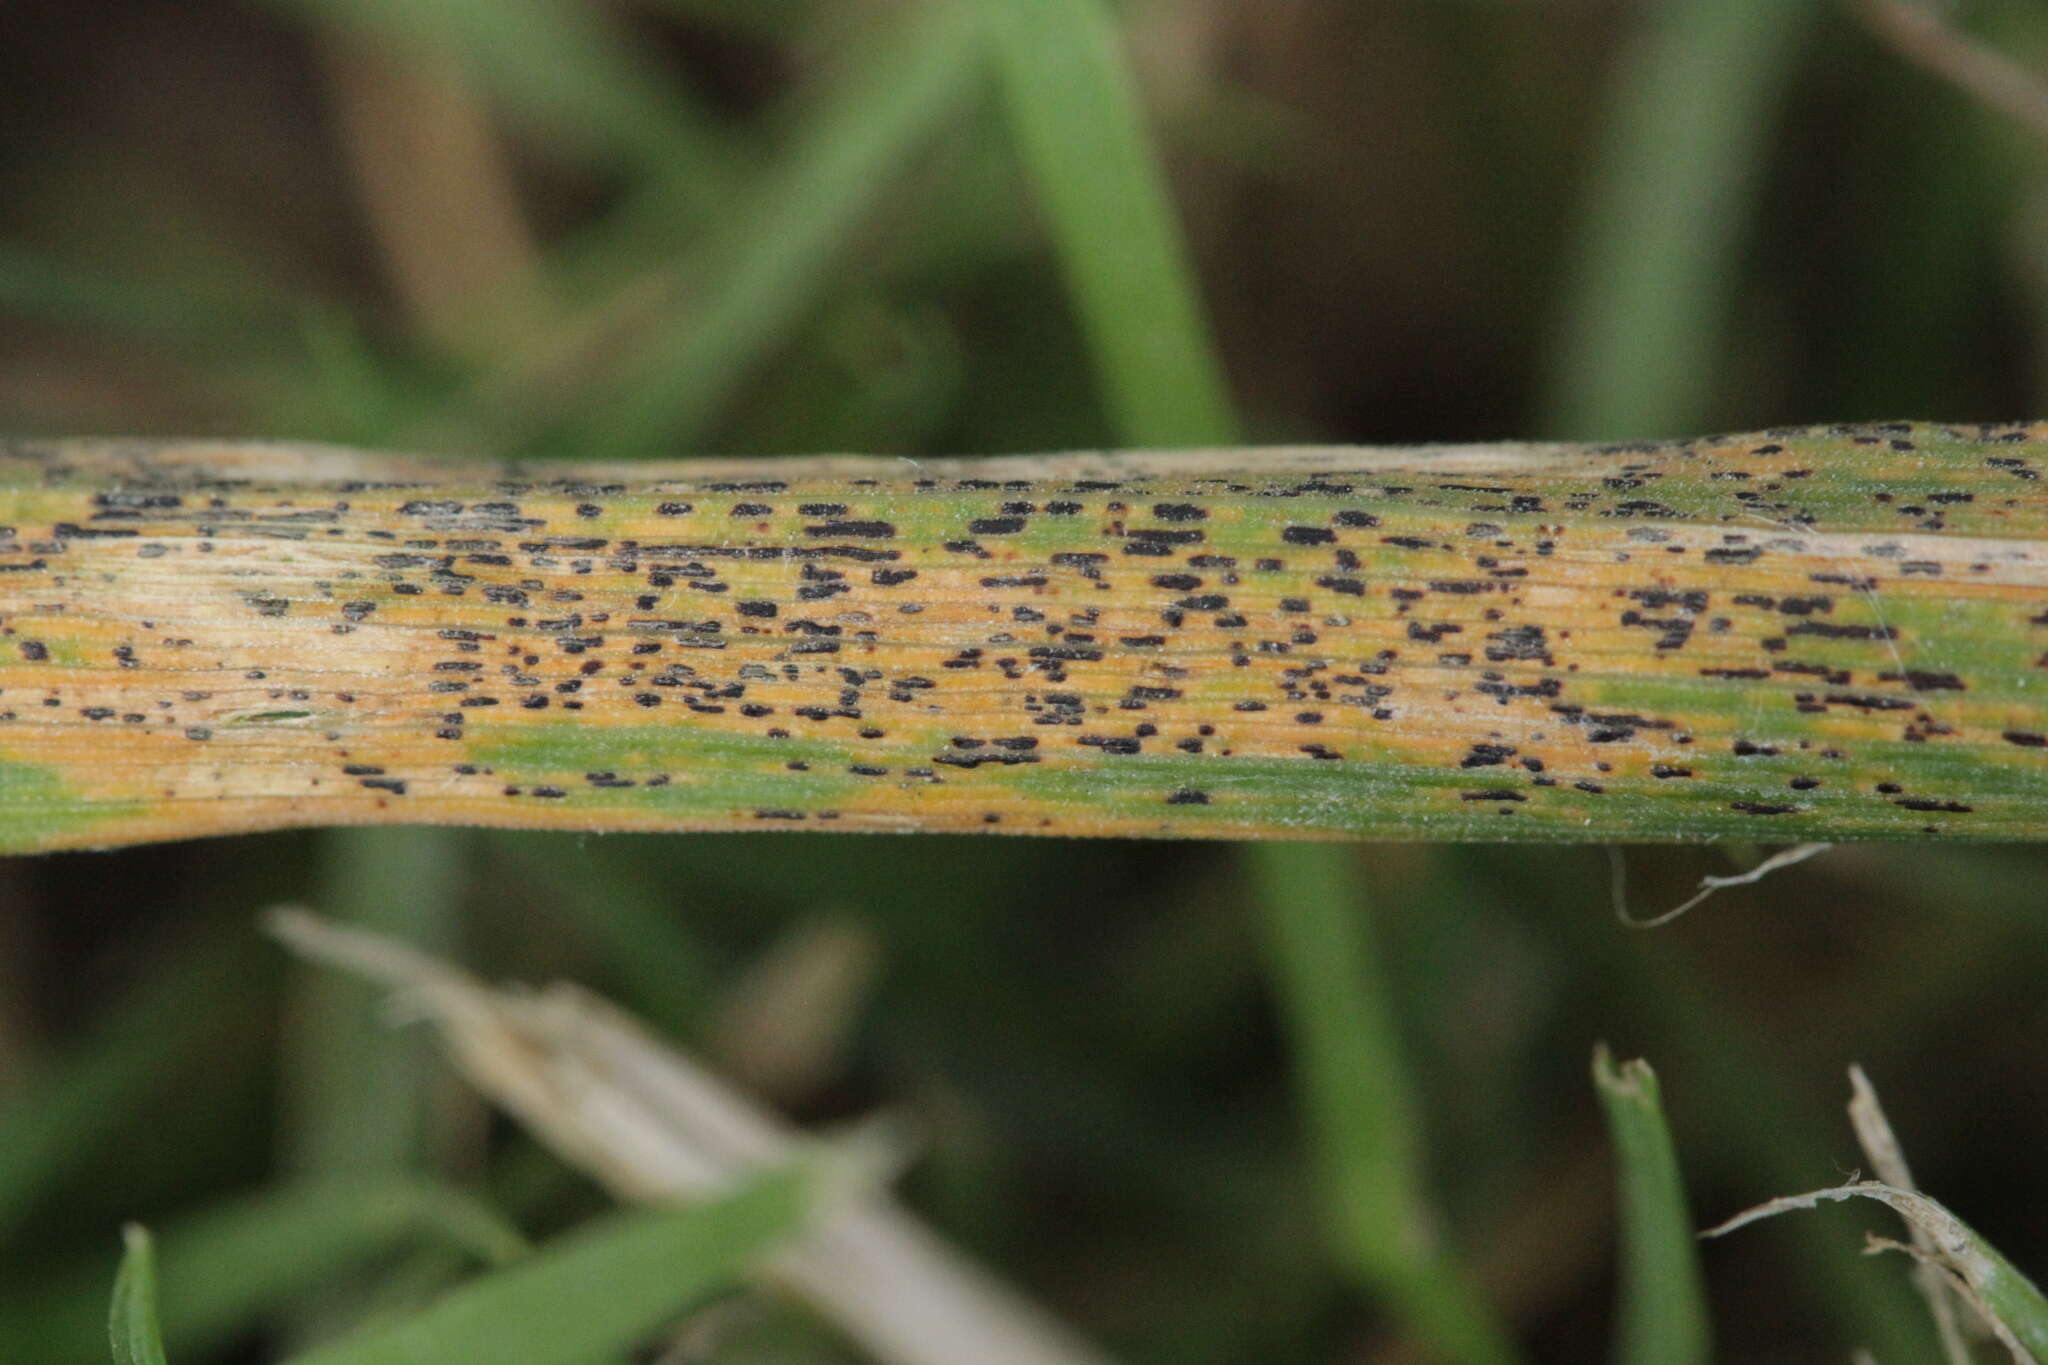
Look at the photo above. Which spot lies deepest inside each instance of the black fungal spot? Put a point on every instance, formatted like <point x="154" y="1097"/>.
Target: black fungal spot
<point x="1869" y="703"/>
<point x="1519" y="642"/>
<point x="869" y="530"/>
<point x="1187" y="796"/>
<point x="1827" y="630"/>
<point x="1921" y="681"/>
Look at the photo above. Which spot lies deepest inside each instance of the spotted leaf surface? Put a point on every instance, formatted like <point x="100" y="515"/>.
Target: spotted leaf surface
<point x="1826" y="633"/>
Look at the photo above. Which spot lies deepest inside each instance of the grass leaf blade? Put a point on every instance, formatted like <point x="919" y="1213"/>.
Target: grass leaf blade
<point x="1663" y="1316"/>
<point x="651" y="1265"/>
<point x="1079" y="128"/>
<point x="229" y="1266"/>
<point x="138" y="1338"/>
<point x="772" y="252"/>
<point x="1357" y="1101"/>
<point x="1671" y="198"/>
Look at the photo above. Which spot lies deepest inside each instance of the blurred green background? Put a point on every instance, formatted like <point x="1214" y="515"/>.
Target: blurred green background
<point x="663" y="227"/>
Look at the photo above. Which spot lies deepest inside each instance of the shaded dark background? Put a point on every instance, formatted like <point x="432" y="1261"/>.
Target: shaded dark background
<point x="330" y="220"/>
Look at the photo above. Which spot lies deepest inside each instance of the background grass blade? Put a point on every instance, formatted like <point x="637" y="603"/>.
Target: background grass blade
<point x="228" y="1268"/>
<point x="358" y="1090"/>
<point x="362" y="1098"/>
<point x="1673" y="188"/>
<point x="1074" y="109"/>
<point x="1356" y="1099"/>
<point x="138" y="1339"/>
<point x="2013" y="1298"/>
<point x="1663" y="1310"/>
<point x="548" y="1310"/>
<point x="749" y="283"/>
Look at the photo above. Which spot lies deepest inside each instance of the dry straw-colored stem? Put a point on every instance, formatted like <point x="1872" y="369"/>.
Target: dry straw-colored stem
<point x="1818" y="634"/>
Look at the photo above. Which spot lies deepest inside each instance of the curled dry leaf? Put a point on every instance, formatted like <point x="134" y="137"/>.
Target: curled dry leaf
<point x="1888" y="1157"/>
<point x="2012" y="1306"/>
